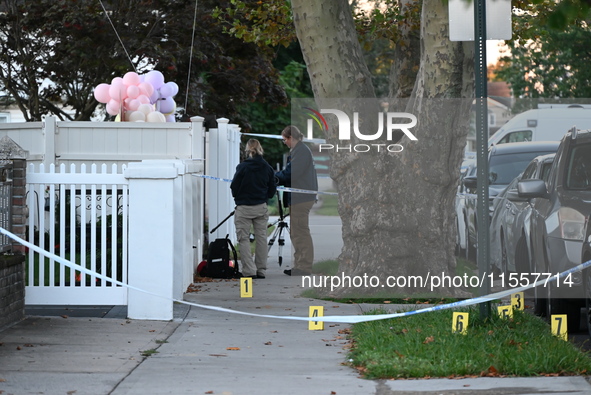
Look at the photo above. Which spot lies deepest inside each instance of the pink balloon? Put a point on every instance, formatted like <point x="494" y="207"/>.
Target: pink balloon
<point x="155" y="78"/>
<point x="113" y="107"/>
<point x="133" y="104"/>
<point x="117" y="81"/>
<point x="131" y="78"/>
<point x="101" y="93"/>
<point x="133" y="91"/>
<point x="166" y="105"/>
<point x="146" y="88"/>
<point x="143" y="99"/>
<point x="118" y="91"/>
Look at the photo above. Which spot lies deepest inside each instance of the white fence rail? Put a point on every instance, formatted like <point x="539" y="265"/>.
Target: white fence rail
<point x="58" y="142"/>
<point x="79" y="215"/>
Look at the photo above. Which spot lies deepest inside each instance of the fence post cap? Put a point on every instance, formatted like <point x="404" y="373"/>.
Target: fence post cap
<point x="151" y="170"/>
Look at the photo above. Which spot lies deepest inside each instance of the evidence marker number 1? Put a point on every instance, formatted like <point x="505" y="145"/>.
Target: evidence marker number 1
<point x="246" y="287"/>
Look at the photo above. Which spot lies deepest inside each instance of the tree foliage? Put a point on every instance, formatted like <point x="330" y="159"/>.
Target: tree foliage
<point x="549" y="53"/>
<point x="54" y="52"/>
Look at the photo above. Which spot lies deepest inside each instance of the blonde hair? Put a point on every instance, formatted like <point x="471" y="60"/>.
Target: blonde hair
<point x="253" y="147"/>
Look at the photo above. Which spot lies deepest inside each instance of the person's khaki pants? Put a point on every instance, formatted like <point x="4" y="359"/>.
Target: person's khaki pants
<point x="257" y="217"/>
<point x="300" y="236"/>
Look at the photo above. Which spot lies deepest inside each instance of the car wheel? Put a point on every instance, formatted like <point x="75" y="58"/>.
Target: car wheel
<point x="540" y="294"/>
<point x="564" y="306"/>
<point x="540" y="301"/>
<point x="587" y="285"/>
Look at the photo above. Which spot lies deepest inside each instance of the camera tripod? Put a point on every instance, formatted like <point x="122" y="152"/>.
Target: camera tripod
<point x="278" y="232"/>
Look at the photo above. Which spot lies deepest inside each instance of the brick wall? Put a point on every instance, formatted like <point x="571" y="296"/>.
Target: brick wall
<point x="12" y="289"/>
<point x="19" y="208"/>
<point x="12" y="263"/>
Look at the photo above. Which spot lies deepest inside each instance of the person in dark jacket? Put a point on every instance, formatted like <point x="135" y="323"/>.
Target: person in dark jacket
<point x="299" y="173"/>
<point x="252" y="186"/>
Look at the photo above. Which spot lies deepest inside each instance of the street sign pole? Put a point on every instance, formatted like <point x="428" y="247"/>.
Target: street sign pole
<point x="482" y="212"/>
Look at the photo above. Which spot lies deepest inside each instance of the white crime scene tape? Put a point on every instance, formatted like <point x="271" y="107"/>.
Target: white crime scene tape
<point x="346" y="319"/>
<point x="280" y="137"/>
<point x="280" y="188"/>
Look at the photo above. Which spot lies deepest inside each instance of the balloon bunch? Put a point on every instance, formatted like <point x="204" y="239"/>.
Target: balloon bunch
<point x="139" y="98"/>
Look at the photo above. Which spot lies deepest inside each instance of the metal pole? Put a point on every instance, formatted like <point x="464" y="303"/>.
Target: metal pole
<point x="482" y="212"/>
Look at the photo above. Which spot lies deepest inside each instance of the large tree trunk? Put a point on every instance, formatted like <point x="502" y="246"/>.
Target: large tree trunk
<point x="397" y="209"/>
<point x="407" y="55"/>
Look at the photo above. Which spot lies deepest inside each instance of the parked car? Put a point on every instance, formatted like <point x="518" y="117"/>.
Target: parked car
<point x="505" y="161"/>
<point x="559" y="215"/>
<point x="509" y="226"/>
<point x="460" y="206"/>
<point x="586" y="256"/>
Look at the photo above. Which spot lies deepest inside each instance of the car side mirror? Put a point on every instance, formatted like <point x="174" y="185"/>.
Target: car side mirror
<point x="513" y="195"/>
<point x="470" y="182"/>
<point x="530" y="189"/>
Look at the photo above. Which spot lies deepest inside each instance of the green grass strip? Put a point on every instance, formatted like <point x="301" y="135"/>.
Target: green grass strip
<point x="424" y="345"/>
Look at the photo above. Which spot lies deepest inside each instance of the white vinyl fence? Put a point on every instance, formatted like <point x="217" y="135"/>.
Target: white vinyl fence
<point x="79" y="214"/>
<point x="137" y="216"/>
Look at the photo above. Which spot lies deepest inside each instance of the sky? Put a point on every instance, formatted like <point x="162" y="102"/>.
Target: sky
<point x="492" y="51"/>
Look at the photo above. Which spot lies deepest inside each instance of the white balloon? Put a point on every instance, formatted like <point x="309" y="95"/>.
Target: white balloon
<point x="137" y="116"/>
<point x="146" y="108"/>
<point x="155" y="116"/>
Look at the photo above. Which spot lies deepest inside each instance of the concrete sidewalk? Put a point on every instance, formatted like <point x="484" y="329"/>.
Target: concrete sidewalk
<point x="209" y="352"/>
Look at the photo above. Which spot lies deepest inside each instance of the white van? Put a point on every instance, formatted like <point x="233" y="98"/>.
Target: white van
<point x="549" y="122"/>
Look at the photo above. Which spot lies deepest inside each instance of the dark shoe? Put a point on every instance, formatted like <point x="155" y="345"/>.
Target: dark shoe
<point x="296" y="272"/>
<point x="258" y="276"/>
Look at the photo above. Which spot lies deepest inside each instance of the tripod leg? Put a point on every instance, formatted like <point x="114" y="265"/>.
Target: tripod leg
<point x="282" y="226"/>
<point x="273" y="238"/>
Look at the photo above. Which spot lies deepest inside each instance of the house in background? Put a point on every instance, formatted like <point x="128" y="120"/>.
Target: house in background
<point x="9" y="112"/>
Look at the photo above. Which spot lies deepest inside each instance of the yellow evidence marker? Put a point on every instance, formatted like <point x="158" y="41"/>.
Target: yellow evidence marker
<point x="316" y="311"/>
<point x="246" y="287"/>
<point x="518" y="301"/>
<point x="505" y="311"/>
<point x="460" y="323"/>
<point x="559" y="326"/>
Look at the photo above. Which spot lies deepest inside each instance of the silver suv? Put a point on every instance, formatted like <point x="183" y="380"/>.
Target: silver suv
<point x="559" y="215"/>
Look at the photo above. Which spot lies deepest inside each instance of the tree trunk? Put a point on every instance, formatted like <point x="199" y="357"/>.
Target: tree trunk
<point x="397" y="208"/>
<point x="407" y="56"/>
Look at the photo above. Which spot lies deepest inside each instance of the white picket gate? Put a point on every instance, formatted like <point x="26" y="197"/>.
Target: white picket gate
<point x="80" y="215"/>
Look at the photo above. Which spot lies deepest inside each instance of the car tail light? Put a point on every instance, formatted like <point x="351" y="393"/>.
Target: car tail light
<point x="572" y="224"/>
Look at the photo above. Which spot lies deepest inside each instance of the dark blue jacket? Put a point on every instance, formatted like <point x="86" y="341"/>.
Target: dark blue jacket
<point x="299" y="173"/>
<point x="253" y="182"/>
